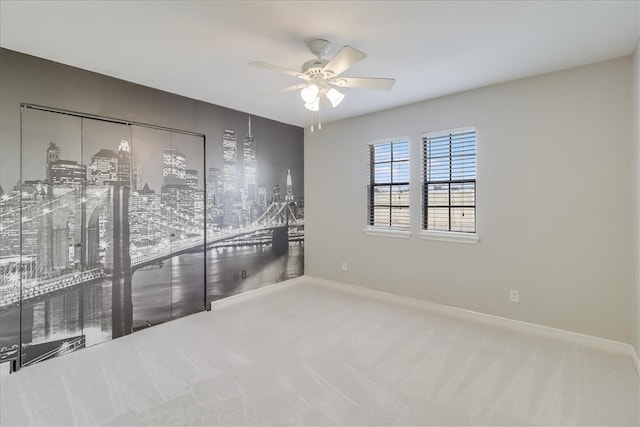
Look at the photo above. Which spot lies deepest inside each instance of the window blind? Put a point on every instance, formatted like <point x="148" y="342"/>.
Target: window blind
<point x="449" y="181"/>
<point x="388" y="184"/>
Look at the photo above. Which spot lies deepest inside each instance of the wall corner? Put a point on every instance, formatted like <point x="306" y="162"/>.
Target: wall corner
<point x="636" y="143"/>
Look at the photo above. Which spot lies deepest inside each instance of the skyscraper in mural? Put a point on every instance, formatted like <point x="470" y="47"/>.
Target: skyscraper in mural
<point x="289" y="195"/>
<point x="124" y="162"/>
<point x="199" y="207"/>
<point x="215" y="198"/>
<point x="250" y="168"/>
<point x="53" y="154"/>
<point x="232" y="203"/>
<point x="136" y="175"/>
<point x="145" y="204"/>
<point x="215" y="186"/>
<point x="249" y="163"/>
<point x="176" y="195"/>
<point x="67" y="172"/>
<point x="262" y="198"/>
<point x="230" y="162"/>
<point x="104" y="167"/>
<point x="277" y="194"/>
<point x="174" y="167"/>
<point x="191" y="178"/>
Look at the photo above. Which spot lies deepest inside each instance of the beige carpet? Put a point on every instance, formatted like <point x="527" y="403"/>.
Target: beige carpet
<point x="304" y="354"/>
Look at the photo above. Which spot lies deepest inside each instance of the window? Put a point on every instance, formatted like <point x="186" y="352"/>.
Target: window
<point x="388" y="189"/>
<point x="449" y="181"/>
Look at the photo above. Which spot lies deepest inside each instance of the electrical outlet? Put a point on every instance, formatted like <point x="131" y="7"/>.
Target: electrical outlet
<point x="514" y="296"/>
<point x="344" y="266"/>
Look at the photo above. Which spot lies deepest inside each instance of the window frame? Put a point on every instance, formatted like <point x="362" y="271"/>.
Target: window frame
<point x="390" y="230"/>
<point x="438" y="234"/>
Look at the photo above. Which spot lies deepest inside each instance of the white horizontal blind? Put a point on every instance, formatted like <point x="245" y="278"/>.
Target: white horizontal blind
<point x="388" y="186"/>
<point x="449" y="181"/>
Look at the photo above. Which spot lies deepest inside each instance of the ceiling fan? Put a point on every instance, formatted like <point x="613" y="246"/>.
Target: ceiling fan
<point x="322" y="76"/>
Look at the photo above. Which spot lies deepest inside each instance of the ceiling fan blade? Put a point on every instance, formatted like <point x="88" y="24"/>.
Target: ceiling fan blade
<point x="346" y="58"/>
<point x="286" y="89"/>
<point x="272" y="67"/>
<point x="364" y="82"/>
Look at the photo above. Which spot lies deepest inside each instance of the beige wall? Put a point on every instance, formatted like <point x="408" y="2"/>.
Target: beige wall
<point x="636" y="127"/>
<point x="555" y="203"/>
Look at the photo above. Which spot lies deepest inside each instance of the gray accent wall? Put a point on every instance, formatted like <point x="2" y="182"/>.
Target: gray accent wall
<point x="555" y="203"/>
<point x="137" y="208"/>
<point x="29" y="79"/>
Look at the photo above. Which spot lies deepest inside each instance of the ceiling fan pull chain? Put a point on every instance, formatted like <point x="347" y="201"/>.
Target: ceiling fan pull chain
<point x="312" y="122"/>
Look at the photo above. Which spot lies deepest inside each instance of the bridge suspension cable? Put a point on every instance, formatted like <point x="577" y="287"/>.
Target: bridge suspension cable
<point x="41" y="209"/>
<point x="44" y="203"/>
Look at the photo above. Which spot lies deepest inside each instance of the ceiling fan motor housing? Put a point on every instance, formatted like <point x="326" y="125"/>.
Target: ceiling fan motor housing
<point x="319" y="47"/>
<point x="315" y="67"/>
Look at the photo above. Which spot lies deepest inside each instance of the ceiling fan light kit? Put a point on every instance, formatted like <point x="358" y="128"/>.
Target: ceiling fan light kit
<point x="313" y="105"/>
<point x="309" y="93"/>
<point x="311" y="96"/>
<point x="322" y="74"/>
<point x="335" y="97"/>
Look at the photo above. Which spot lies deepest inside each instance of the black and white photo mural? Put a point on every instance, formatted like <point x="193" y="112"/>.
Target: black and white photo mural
<point x="109" y="226"/>
<point x="255" y="230"/>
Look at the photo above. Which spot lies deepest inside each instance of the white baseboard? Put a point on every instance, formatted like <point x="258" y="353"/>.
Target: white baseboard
<point x="234" y="299"/>
<point x="488" y="319"/>
<point x="5" y="369"/>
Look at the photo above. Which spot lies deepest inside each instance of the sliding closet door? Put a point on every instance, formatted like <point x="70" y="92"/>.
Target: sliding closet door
<point x="52" y="182"/>
<point x="103" y="246"/>
<point x="186" y="197"/>
<point x="167" y="226"/>
<point x="151" y="227"/>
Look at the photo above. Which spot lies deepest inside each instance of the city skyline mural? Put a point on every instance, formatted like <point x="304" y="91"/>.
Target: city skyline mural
<point x="108" y="227"/>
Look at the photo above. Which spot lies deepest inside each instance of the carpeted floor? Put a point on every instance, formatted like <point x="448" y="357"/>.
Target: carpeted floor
<point x="305" y="354"/>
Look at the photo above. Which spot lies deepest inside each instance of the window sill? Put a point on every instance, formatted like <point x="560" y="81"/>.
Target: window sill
<point x="387" y="232"/>
<point x="449" y="236"/>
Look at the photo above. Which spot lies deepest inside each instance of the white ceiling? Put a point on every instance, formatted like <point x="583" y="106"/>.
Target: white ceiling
<point x="201" y="49"/>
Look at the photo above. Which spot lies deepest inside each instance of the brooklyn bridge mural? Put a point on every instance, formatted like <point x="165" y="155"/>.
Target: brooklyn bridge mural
<point x="109" y="227"/>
